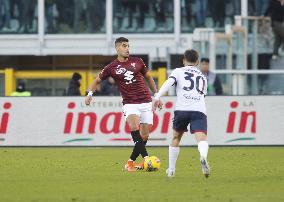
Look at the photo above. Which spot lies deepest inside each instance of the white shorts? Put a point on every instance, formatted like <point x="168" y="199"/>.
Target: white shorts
<point x="144" y="111"/>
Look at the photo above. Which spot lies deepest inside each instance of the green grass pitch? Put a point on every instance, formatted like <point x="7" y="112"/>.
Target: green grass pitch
<point x="95" y="174"/>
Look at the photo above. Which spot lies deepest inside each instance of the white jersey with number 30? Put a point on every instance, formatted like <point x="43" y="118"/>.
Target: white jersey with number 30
<point x="191" y="88"/>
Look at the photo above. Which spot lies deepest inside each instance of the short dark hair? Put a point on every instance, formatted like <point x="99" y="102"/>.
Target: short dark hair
<point x="76" y="76"/>
<point x="191" y="55"/>
<point x="205" y="60"/>
<point x="120" y="40"/>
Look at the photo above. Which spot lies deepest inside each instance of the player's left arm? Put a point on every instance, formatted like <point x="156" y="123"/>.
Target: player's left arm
<point x="165" y="87"/>
<point x="147" y="76"/>
<point x="153" y="88"/>
<point x="151" y="82"/>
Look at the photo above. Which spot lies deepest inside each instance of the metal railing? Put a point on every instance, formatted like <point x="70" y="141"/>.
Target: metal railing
<point x="244" y="21"/>
<point x="239" y="80"/>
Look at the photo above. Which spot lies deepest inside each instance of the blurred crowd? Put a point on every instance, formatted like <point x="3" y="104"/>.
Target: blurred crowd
<point x="75" y="16"/>
<point x="136" y="15"/>
<point x="88" y="16"/>
<point x="276" y="13"/>
<point x="18" y="16"/>
<point x="107" y="88"/>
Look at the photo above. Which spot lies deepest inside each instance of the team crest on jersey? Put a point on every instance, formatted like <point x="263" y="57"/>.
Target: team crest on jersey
<point x="133" y="65"/>
<point x="120" y="70"/>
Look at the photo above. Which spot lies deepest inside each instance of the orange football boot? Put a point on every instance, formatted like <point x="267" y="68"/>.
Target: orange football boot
<point x="130" y="166"/>
<point x="140" y="166"/>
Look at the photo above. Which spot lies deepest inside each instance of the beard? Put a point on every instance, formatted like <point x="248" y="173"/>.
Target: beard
<point x="125" y="56"/>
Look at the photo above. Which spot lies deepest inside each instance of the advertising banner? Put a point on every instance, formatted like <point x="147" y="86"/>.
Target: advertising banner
<point x="67" y="121"/>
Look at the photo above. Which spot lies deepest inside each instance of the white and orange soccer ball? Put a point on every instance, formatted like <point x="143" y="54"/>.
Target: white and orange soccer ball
<point x="152" y="163"/>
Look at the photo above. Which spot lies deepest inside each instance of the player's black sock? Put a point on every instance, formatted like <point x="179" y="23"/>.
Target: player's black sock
<point x="139" y="147"/>
<point x="135" y="153"/>
<point x="145" y="143"/>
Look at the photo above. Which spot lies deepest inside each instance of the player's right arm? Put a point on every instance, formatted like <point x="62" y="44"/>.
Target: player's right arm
<point x="105" y="73"/>
<point x="165" y="88"/>
<point x="93" y="88"/>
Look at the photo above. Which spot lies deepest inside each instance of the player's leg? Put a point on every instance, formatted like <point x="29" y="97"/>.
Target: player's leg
<point x="144" y="132"/>
<point x="146" y="122"/>
<point x="133" y="121"/>
<point x="180" y="124"/>
<point x="174" y="152"/>
<point x="203" y="148"/>
<point x="132" y="116"/>
<point x="202" y="142"/>
<point x="198" y="127"/>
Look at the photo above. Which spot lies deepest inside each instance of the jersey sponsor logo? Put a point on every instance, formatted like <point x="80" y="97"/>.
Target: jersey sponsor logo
<point x="128" y="76"/>
<point x="120" y="70"/>
<point x="191" y="98"/>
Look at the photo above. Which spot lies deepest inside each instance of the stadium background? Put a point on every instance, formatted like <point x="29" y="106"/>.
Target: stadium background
<point x="43" y="42"/>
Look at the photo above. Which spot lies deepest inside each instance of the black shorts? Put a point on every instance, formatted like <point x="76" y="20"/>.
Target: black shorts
<point x="197" y="121"/>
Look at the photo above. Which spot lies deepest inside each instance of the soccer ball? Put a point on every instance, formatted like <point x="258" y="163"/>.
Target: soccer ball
<point x="152" y="163"/>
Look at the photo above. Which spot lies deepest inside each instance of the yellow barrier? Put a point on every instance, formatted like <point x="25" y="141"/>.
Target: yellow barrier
<point x="10" y="81"/>
<point x="11" y="76"/>
<point x="162" y="76"/>
<point x="87" y="77"/>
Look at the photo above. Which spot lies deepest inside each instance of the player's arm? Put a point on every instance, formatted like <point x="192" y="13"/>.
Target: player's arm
<point x="151" y="82"/>
<point x="94" y="85"/>
<point x="105" y="73"/>
<point x="147" y="76"/>
<point x="92" y="90"/>
<point x="165" y="88"/>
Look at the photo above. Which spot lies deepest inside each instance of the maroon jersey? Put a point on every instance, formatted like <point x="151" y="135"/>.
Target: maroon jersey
<point x="129" y="77"/>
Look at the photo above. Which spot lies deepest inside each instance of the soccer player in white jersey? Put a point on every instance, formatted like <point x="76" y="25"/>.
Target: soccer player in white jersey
<point x="191" y="88"/>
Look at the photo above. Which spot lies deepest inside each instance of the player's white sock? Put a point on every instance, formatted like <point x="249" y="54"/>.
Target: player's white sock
<point x="173" y="155"/>
<point x="203" y="149"/>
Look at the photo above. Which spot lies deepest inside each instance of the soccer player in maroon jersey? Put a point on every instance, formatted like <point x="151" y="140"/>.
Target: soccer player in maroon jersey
<point x="129" y="74"/>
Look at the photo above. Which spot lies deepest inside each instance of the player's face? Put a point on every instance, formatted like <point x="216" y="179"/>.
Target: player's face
<point x="123" y="49"/>
<point x="204" y="66"/>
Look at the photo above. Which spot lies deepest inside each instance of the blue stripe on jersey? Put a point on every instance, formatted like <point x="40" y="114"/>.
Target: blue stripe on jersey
<point x="174" y="79"/>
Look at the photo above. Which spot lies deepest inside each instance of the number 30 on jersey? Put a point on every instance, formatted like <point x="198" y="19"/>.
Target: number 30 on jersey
<point x="199" y="83"/>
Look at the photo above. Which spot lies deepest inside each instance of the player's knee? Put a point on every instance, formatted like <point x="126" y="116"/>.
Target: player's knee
<point x="201" y="137"/>
<point x="133" y="126"/>
<point x="176" y="137"/>
<point x="176" y="140"/>
<point x="145" y="137"/>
